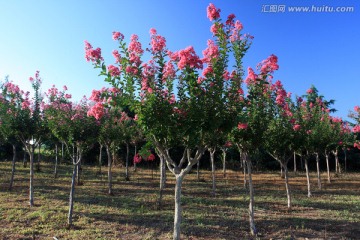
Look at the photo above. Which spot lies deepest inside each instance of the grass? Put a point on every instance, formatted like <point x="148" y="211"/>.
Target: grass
<point x="131" y="213"/>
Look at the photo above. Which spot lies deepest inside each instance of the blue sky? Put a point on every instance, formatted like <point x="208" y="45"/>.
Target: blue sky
<point x="319" y="48"/>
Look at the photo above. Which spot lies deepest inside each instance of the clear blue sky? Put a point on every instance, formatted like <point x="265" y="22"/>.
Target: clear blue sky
<point x="319" y="48"/>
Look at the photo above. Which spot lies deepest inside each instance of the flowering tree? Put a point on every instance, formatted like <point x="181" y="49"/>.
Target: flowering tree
<point x="25" y="120"/>
<point x="70" y="124"/>
<point x="253" y="119"/>
<point x="355" y="115"/>
<point x="11" y="99"/>
<point x="282" y="131"/>
<point x="203" y="103"/>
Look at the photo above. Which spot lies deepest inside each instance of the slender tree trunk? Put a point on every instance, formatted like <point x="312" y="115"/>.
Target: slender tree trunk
<point x="287" y="186"/>
<point x="134" y="161"/>
<point x="72" y="195"/>
<point x="24" y="159"/>
<point x="79" y="173"/>
<point x="62" y="152"/>
<point x="295" y="170"/>
<point x="345" y="158"/>
<point x="100" y="158"/>
<point x="251" y="192"/>
<point x="110" y="192"/>
<point x="56" y="161"/>
<point x="338" y="169"/>
<point x="307" y="176"/>
<point x="38" y="159"/>
<point x="318" y="171"/>
<point x="162" y="179"/>
<point x="224" y="162"/>
<point x="31" y="188"/>
<point x="198" y="170"/>
<point x="212" y="159"/>
<point x="327" y="166"/>
<point x="127" y="178"/>
<point x="177" y="215"/>
<point x="244" y="168"/>
<point x="13" y="167"/>
<point x="281" y="171"/>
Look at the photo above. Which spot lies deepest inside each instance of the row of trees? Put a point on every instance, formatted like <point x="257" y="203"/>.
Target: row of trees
<point x="180" y="100"/>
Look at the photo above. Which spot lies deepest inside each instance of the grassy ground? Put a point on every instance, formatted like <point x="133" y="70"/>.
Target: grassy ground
<point x="333" y="213"/>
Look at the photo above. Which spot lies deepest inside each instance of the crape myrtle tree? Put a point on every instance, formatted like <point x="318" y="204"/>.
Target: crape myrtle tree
<point x="253" y="120"/>
<point x="203" y="103"/>
<point x="69" y="123"/>
<point x="115" y="125"/>
<point x="355" y="115"/>
<point x="24" y="116"/>
<point x="11" y="98"/>
<point x="282" y="131"/>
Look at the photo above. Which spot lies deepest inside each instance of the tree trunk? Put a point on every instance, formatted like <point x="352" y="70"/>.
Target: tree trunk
<point x="318" y="171"/>
<point x="224" y="162"/>
<point x="100" y="158"/>
<point x="177" y="215"/>
<point x="212" y="159"/>
<point x="338" y="168"/>
<point x="307" y="176"/>
<point x="62" y="152"/>
<point x="281" y="171"/>
<point x="78" y="174"/>
<point x="287" y="186"/>
<point x="244" y="168"/>
<point x="127" y="178"/>
<point x="38" y="159"/>
<point x="295" y="162"/>
<point x="110" y="192"/>
<point x="31" y="188"/>
<point x="327" y="166"/>
<point x="133" y="161"/>
<point x="56" y="161"/>
<point x="13" y="167"/>
<point x="198" y="170"/>
<point x="72" y="194"/>
<point x="251" y="192"/>
<point x="24" y="159"/>
<point x="162" y="179"/>
<point x="345" y="158"/>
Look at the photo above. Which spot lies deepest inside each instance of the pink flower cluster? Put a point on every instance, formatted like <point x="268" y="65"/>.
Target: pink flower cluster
<point x="135" y="50"/>
<point x="118" y="36"/>
<point x="211" y="52"/>
<point x="296" y="127"/>
<point x="269" y="65"/>
<point x="168" y="71"/>
<point x="93" y="55"/>
<point x="137" y="158"/>
<point x="251" y="78"/>
<point x="213" y="13"/>
<point x="187" y="58"/>
<point x="158" y="43"/>
<point x="151" y="158"/>
<point x="113" y="70"/>
<point x="235" y="34"/>
<point x="356" y="129"/>
<point x="97" y="111"/>
<point x="242" y="126"/>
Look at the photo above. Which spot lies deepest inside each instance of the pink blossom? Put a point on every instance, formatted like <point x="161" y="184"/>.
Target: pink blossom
<point x="356" y="129"/>
<point x="67" y="96"/>
<point x="97" y="111"/>
<point x="113" y="70"/>
<point x="116" y="55"/>
<point x="230" y="20"/>
<point x="357" y="109"/>
<point x="296" y="127"/>
<point x="251" y="78"/>
<point x="242" y="126"/>
<point x="188" y="58"/>
<point x="207" y="71"/>
<point x="211" y="52"/>
<point x="212" y="12"/>
<point x="65" y="88"/>
<point x="200" y="80"/>
<point x="137" y="158"/>
<point x="310" y="90"/>
<point x="151" y="157"/>
<point x="118" y="36"/>
<point x="235" y="35"/>
<point x="299" y="99"/>
<point x="168" y="71"/>
<point x="150" y="90"/>
<point x="158" y="43"/>
<point x="226" y="75"/>
<point x="93" y="55"/>
<point x="214" y="29"/>
<point x="153" y="31"/>
<point x="269" y="65"/>
<point x="308" y="132"/>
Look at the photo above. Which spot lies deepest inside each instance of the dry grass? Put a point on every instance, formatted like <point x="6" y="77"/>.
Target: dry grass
<point x="333" y="213"/>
